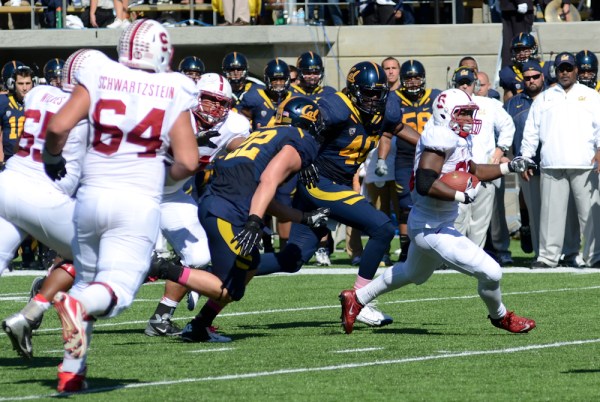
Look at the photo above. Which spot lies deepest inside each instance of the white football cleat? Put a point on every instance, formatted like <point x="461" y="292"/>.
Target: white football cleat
<point x="373" y="317"/>
<point x="322" y="257"/>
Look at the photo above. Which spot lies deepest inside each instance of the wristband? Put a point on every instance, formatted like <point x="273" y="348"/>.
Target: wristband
<point x="504" y="169"/>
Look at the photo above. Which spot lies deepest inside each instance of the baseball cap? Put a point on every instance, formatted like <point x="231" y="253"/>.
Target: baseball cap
<point x="463" y="75"/>
<point x="564" y="58"/>
<point x="532" y="65"/>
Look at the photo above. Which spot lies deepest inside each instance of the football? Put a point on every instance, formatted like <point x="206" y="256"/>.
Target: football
<point x="460" y="181"/>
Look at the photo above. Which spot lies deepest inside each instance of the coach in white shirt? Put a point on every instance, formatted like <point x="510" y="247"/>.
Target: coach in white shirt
<point x="566" y="120"/>
<point x="474" y="219"/>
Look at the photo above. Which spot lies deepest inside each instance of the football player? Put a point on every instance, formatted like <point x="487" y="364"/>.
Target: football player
<point x="235" y="68"/>
<point x="52" y="220"/>
<point x="233" y="206"/>
<point x="193" y="67"/>
<point x="260" y="104"/>
<point x="53" y="71"/>
<point x="138" y="110"/>
<point x="310" y="77"/>
<point x="523" y="47"/>
<point x="218" y="131"/>
<point x="443" y="147"/>
<point x="19" y="82"/>
<point x="587" y="69"/>
<point x="354" y="119"/>
<point x="417" y="104"/>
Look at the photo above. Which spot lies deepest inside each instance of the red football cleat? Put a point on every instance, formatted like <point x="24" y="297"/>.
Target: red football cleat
<point x="71" y="382"/>
<point x="350" y="309"/>
<point x="513" y="323"/>
<point x="72" y="315"/>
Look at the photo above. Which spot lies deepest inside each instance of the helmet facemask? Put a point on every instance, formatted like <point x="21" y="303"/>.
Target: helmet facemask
<point x="463" y="121"/>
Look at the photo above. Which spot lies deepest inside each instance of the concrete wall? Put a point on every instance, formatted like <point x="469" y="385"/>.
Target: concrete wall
<point x="438" y="47"/>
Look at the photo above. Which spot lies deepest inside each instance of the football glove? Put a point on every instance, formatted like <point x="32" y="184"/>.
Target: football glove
<point x="54" y="165"/>
<point x="469" y="195"/>
<point x="521" y="164"/>
<point x="203" y="138"/>
<point x="381" y="169"/>
<point x="249" y="236"/>
<point x="309" y="176"/>
<point x="315" y="218"/>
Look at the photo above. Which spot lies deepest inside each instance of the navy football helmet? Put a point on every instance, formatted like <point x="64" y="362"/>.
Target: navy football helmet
<point x="310" y="63"/>
<point x="412" y="79"/>
<point x="523" y="48"/>
<point x="367" y="89"/>
<point x="587" y="68"/>
<point x="277" y="70"/>
<point x="232" y="63"/>
<point x="53" y="71"/>
<point x="302" y="113"/>
<point x="7" y="71"/>
<point x="192" y="66"/>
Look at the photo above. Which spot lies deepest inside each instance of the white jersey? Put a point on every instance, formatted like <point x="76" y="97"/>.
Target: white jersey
<point x="128" y="144"/>
<point x="234" y="126"/>
<point x="41" y="103"/>
<point x="430" y="212"/>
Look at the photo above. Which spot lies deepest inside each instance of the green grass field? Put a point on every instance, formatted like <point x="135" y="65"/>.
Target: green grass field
<point x="288" y="345"/>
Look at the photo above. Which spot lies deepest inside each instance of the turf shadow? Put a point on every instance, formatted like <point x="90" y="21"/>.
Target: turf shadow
<point x="20" y="363"/>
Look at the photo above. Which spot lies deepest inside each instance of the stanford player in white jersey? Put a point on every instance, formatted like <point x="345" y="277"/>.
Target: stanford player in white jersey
<point x="218" y="131"/>
<point x="136" y="116"/>
<point x="36" y="205"/>
<point x="444" y="146"/>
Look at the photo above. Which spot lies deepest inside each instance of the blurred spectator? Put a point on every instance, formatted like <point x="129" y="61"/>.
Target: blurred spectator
<point x="97" y="13"/>
<point x="121" y="14"/>
<point x="293" y="75"/>
<point x="517" y="17"/>
<point x="236" y="12"/>
<point x="321" y="14"/>
<point x="381" y="188"/>
<point x="391" y="66"/>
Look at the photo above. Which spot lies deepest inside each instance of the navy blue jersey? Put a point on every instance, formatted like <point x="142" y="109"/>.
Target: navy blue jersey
<point x="238" y="95"/>
<point x="13" y="118"/>
<point x="317" y="94"/>
<point x="511" y="78"/>
<point x="415" y="115"/>
<point x="349" y="138"/>
<point x="518" y="108"/>
<point x="237" y="174"/>
<point x="262" y="108"/>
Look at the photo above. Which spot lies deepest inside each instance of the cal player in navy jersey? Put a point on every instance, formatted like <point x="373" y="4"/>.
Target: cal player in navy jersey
<point x="355" y="120"/>
<point x="12" y="111"/>
<point x="233" y="206"/>
<point x="235" y="68"/>
<point x="416" y="102"/>
<point x="260" y="104"/>
<point x="524" y="47"/>
<point x="310" y="77"/>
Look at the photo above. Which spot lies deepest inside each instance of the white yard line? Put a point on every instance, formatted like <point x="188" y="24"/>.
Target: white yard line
<point x="209" y="350"/>
<point x="357" y="350"/>
<point x="302" y="370"/>
<point x="336" y="306"/>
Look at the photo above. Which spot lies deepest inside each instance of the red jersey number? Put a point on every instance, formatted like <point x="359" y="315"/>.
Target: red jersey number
<point x="153" y="121"/>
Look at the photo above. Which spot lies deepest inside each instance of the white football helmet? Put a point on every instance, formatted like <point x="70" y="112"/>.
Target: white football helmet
<point x="75" y="62"/>
<point x="215" y="90"/>
<point x="145" y="45"/>
<point x="452" y="103"/>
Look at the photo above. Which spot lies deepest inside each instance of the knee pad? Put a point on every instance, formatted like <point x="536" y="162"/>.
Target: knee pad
<point x="113" y="299"/>
<point x="67" y="266"/>
<point x="290" y="259"/>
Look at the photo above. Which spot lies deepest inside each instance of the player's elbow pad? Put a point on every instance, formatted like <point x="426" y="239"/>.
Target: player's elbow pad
<point x="424" y="179"/>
